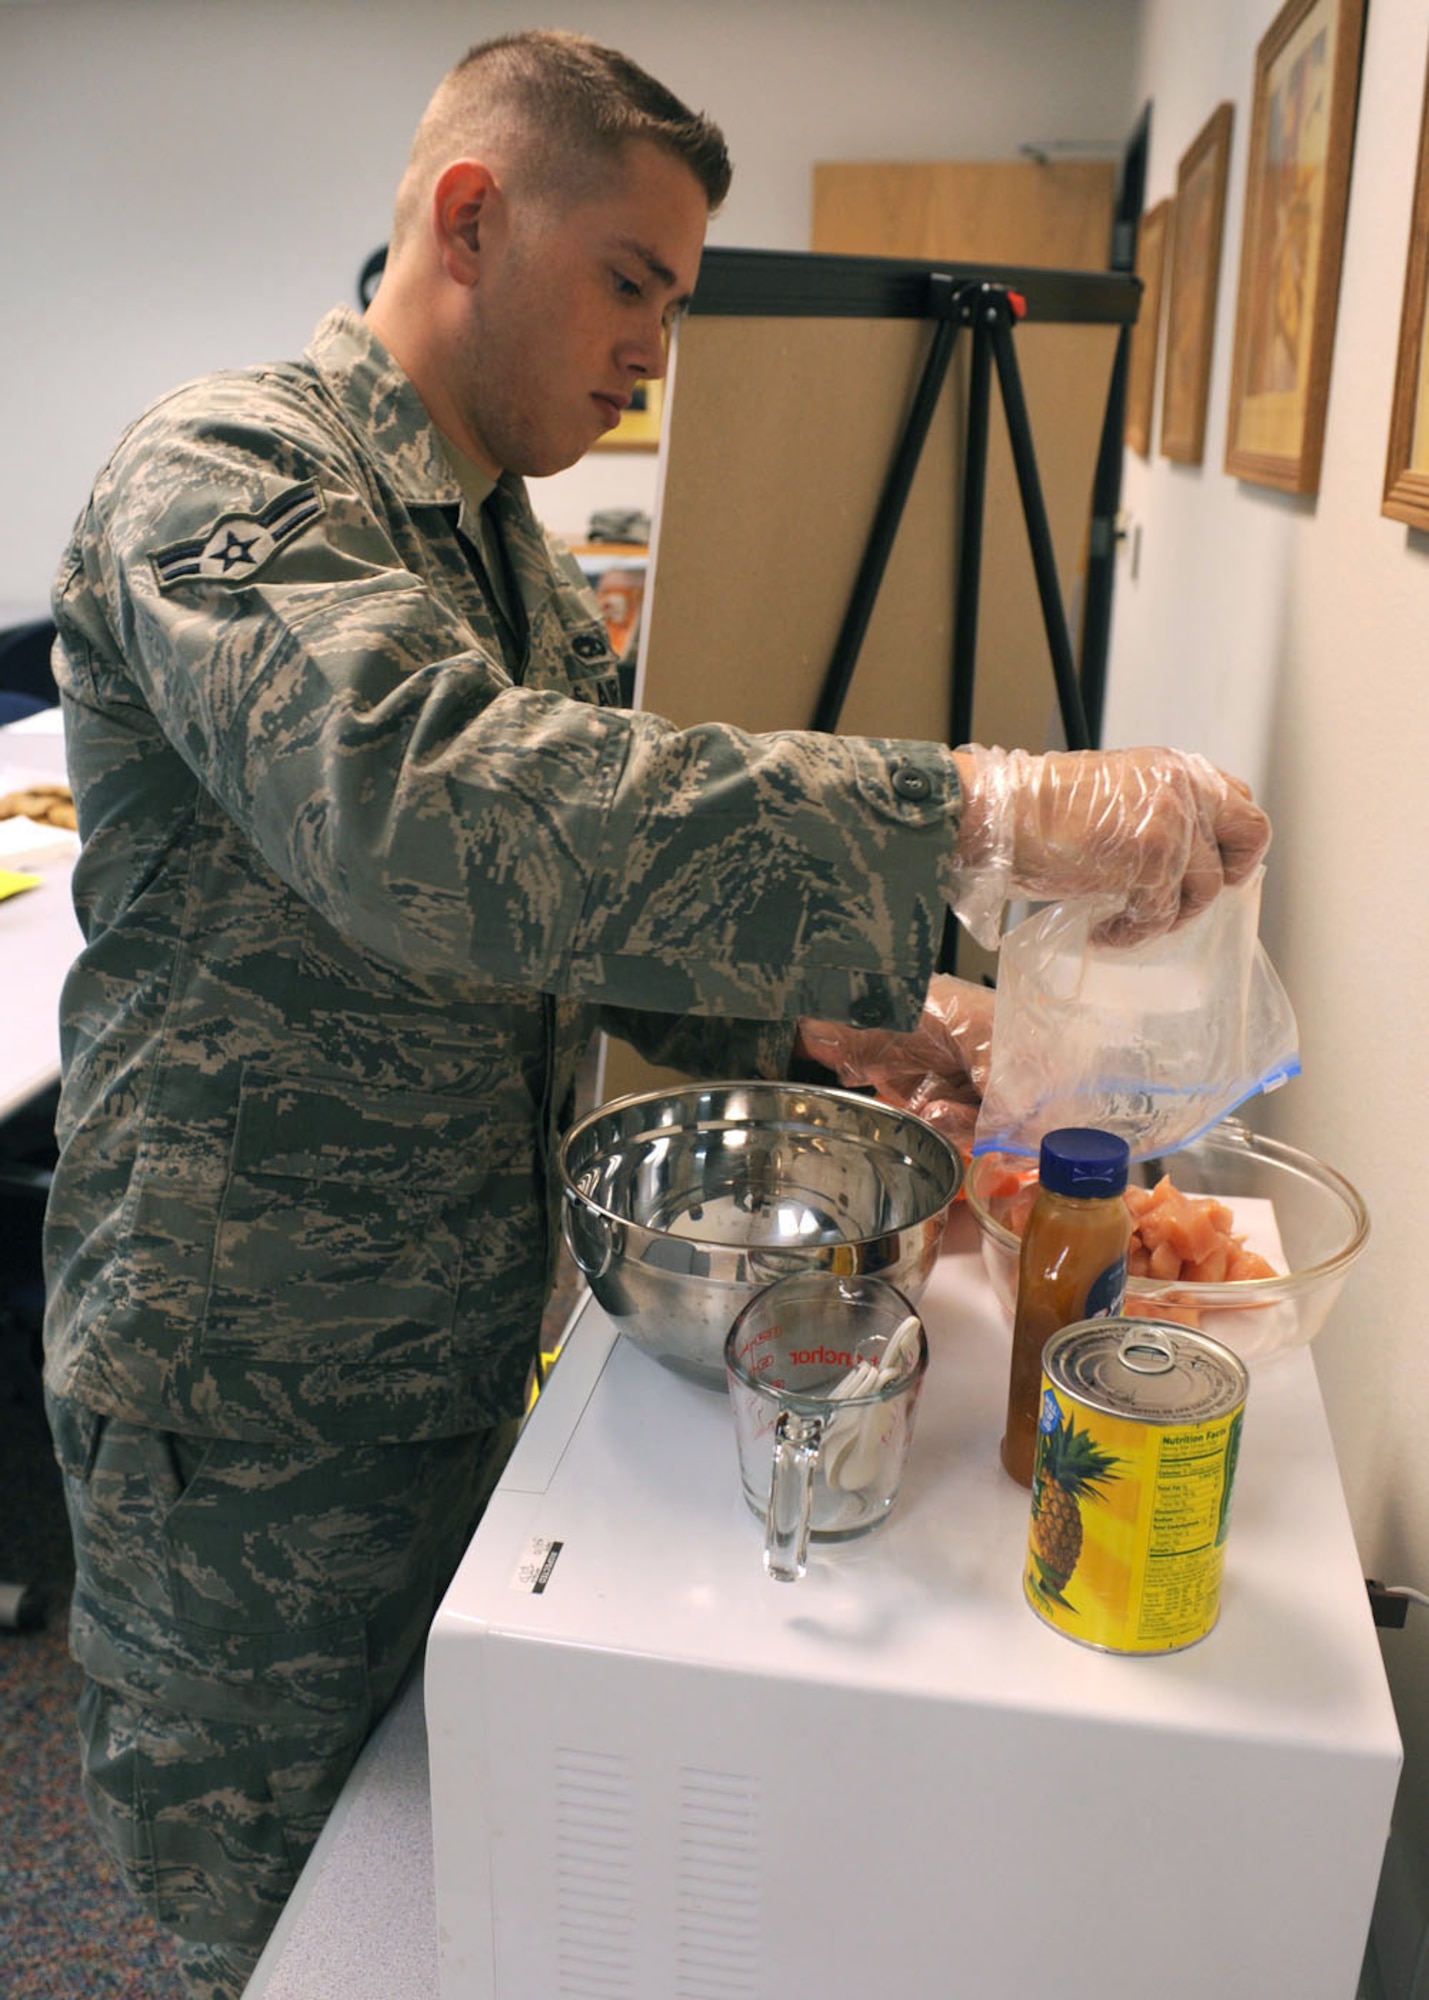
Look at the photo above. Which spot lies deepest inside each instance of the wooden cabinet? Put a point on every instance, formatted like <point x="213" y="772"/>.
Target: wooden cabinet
<point x="1055" y="214"/>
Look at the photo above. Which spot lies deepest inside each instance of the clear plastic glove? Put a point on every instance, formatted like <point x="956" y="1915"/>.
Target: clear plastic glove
<point x="1155" y="833"/>
<point x="937" y="1070"/>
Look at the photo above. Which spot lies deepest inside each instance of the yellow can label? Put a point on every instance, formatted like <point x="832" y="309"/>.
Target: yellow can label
<point x="1127" y="1536"/>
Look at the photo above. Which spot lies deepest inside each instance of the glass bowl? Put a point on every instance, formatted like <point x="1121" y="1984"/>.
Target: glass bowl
<point x="1321" y="1221"/>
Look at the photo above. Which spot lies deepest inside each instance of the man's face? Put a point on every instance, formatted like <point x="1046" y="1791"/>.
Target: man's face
<point x="571" y="309"/>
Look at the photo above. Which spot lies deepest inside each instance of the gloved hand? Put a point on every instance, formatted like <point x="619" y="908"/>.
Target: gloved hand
<point x="1157" y="833"/>
<point x="937" y="1069"/>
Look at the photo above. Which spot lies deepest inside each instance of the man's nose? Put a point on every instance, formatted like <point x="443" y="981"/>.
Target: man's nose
<point x="647" y="354"/>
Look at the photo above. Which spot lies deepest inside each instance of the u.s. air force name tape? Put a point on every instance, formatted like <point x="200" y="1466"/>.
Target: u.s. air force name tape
<point x="237" y="547"/>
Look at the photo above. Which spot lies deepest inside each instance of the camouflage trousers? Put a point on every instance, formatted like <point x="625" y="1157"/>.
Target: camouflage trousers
<point x="244" y="1615"/>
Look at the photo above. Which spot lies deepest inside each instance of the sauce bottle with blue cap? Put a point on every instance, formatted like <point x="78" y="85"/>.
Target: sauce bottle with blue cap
<point x="1072" y="1266"/>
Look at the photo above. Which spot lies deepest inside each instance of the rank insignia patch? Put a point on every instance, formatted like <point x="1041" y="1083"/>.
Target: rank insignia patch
<point x="240" y="544"/>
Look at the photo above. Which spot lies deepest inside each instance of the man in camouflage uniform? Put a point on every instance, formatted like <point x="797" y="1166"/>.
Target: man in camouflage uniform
<point x="369" y="850"/>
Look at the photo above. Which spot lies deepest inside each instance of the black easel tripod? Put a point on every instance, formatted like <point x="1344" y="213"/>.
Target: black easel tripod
<point x="990" y="310"/>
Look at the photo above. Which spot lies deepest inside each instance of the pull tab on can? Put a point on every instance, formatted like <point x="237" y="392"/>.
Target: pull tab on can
<point x="1147" y="1351"/>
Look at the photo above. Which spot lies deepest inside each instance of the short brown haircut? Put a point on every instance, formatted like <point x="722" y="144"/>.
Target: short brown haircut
<point x="568" y="106"/>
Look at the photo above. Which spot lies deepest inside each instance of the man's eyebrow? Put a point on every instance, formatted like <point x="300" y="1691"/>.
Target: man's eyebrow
<point x="653" y="265"/>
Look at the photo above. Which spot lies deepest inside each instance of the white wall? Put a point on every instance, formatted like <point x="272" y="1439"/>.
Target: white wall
<point x="1287" y="637"/>
<point x="188" y="183"/>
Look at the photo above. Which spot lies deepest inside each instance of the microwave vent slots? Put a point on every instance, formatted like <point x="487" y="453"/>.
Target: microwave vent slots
<point x="595" y="1895"/>
<point x="720" y="1869"/>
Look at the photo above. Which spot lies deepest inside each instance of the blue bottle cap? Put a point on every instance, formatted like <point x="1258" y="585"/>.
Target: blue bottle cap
<point x="1079" y="1160"/>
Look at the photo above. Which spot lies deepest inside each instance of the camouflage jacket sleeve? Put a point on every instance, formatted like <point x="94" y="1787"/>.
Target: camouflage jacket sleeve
<point x="271" y="567"/>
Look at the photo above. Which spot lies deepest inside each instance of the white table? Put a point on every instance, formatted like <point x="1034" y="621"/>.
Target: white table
<point x="362" y="1922"/>
<point x="39" y="937"/>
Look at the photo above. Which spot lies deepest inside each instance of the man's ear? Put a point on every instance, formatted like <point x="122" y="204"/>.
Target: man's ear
<point x="462" y="191"/>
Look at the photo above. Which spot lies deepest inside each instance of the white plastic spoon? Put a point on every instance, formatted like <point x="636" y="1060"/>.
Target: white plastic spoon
<point x="852" y="1442"/>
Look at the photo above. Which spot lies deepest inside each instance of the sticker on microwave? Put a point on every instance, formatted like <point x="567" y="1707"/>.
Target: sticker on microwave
<point x="533" y="1572"/>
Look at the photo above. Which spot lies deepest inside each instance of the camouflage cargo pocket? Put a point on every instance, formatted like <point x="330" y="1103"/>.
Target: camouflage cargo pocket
<point x="209" y="1823"/>
<point x="342" y="1223"/>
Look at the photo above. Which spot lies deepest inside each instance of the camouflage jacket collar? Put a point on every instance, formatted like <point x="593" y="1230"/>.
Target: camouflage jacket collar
<point x="380" y="401"/>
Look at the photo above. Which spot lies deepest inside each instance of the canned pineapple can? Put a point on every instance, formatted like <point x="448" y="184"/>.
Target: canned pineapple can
<point x="1137" y="1439"/>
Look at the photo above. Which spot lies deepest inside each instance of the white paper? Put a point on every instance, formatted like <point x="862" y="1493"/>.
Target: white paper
<point x="23" y="842"/>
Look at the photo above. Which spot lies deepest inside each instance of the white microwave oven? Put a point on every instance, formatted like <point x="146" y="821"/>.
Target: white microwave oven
<point x="658" y="1775"/>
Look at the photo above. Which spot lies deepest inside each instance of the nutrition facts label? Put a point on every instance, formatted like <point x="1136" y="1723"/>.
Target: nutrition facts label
<point x="1185" y="1534"/>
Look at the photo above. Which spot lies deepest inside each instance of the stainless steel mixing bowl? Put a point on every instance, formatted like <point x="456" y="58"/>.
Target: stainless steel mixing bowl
<point x="679" y="1205"/>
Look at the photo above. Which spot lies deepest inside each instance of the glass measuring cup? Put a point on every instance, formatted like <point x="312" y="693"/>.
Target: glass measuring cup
<point x="824" y="1373"/>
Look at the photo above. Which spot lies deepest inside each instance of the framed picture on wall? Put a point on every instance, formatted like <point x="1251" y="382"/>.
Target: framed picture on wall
<point x="1146" y="334"/>
<point x="1297" y="189"/>
<point x="639" y="426"/>
<point x="1406" y="472"/>
<point x="1197" y="224"/>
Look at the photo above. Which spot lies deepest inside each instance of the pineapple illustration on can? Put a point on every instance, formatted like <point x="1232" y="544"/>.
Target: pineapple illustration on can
<point x="1138" y="1436"/>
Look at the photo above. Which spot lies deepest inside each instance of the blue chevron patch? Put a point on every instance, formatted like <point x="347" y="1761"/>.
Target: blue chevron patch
<point x="238" y="546"/>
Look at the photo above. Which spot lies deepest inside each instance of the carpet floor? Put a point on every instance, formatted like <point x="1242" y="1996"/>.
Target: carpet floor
<point x="68" y="1929"/>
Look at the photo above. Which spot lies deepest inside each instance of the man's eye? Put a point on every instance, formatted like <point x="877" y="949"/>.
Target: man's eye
<point x="626" y="287"/>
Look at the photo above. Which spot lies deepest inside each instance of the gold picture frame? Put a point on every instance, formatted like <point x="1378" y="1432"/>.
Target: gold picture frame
<point x="1146" y="334"/>
<point x="1307" y="69"/>
<point x="1197" y="227"/>
<point x="639" y="426"/>
<point x="1406" y="472"/>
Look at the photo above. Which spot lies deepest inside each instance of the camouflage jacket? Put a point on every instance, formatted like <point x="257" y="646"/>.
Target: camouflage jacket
<point x="353" y="900"/>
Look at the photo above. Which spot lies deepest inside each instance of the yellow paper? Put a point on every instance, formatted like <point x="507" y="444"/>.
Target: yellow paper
<point x="11" y="882"/>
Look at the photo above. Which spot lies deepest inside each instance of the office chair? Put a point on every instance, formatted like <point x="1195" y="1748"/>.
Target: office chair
<point x="27" y="1146"/>
<point x="25" y="662"/>
<point x="27" y="1157"/>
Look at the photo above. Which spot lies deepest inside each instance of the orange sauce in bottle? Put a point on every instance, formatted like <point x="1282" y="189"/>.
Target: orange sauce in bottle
<point x="1072" y="1266"/>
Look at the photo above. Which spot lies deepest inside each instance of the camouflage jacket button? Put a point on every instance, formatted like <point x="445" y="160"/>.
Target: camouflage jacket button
<point x="911" y="783"/>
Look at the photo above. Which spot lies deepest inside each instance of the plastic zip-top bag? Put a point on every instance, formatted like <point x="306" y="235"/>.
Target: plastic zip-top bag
<point x="1157" y="1041"/>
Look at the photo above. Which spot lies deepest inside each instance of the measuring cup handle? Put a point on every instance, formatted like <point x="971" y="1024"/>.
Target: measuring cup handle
<point x="791" y="1486"/>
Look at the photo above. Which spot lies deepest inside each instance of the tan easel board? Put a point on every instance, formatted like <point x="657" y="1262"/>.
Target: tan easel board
<point x="779" y="433"/>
